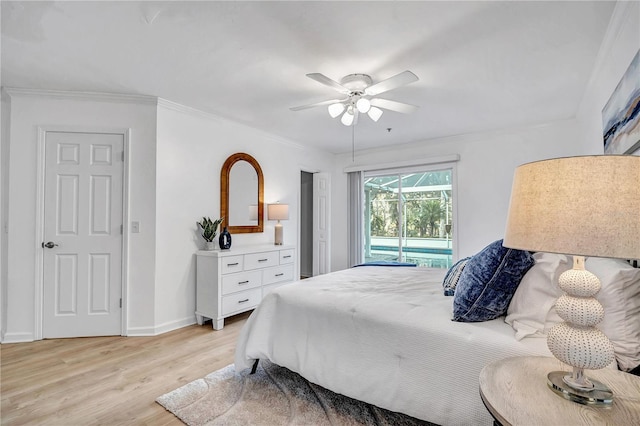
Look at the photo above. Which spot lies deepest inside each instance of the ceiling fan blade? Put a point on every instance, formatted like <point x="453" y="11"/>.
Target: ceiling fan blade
<point x="394" y="106"/>
<point x="317" y="104"/>
<point x="321" y="78"/>
<point x="391" y="83"/>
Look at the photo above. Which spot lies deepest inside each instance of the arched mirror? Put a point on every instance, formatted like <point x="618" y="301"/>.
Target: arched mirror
<point x="241" y="193"/>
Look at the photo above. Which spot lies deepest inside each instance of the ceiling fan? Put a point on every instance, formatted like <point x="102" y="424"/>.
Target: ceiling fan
<point x="360" y="96"/>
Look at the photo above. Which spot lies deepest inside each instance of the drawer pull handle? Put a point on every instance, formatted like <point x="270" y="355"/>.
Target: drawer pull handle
<point x="243" y="282"/>
<point x="232" y="264"/>
<point x="279" y="275"/>
<point x="286" y="257"/>
<point x="243" y="301"/>
<point x="262" y="260"/>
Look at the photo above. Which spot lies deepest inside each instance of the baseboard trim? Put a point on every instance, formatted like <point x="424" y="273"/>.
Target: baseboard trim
<point x="161" y="328"/>
<point x="174" y="325"/>
<point x="17" y="338"/>
<point x="131" y="331"/>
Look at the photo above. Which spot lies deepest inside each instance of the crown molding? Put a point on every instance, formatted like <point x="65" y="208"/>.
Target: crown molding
<point x="144" y="100"/>
<point x="82" y="96"/>
<point x="174" y="106"/>
<point x="194" y="112"/>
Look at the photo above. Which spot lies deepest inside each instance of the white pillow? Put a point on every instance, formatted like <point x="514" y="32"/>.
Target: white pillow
<point x="532" y="305"/>
<point x="620" y="297"/>
<point x="532" y="311"/>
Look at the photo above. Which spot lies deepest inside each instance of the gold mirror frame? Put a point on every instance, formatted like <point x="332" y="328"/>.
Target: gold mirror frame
<point x="224" y="194"/>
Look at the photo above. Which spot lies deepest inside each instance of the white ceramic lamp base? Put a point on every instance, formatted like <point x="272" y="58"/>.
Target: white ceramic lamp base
<point x="279" y="234"/>
<point x="577" y="342"/>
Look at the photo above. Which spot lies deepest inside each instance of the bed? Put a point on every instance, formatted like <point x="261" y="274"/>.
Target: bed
<point x="382" y="335"/>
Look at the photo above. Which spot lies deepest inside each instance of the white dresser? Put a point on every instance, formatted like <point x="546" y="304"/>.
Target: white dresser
<point x="233" y="281"/>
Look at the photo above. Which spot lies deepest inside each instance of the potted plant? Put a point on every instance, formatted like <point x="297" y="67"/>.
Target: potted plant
<point x="209" y="228"/>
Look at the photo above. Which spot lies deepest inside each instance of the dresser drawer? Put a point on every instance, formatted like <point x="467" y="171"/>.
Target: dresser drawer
<point x="261" y="260"/>
<point x="231" y="264"/>
<point x="286" y="256"/>
<point x="243" y="301"/>
<point x="241" y="281"/>
<point x="277" y="274"/>
<point x="230" y="282"/>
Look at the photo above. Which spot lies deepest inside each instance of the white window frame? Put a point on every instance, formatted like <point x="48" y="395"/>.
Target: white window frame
<point x="356" y="203"/>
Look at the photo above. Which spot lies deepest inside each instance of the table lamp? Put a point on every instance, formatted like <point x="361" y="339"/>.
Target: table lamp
<point x="579" y="206"/>
<point x="278" y="212"/>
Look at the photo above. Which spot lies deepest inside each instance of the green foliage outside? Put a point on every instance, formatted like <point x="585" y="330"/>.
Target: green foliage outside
<point x="423" y="216"/>
<point x="426" y="212"/>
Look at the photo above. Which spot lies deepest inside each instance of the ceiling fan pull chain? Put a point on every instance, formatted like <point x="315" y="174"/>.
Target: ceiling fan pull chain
<point x="353" y="144"/>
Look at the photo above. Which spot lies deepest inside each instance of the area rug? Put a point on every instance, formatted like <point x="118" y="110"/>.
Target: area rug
<point x="272" y="396"/>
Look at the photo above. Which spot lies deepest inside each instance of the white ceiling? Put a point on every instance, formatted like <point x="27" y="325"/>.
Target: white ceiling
<point x="482" y="65"/>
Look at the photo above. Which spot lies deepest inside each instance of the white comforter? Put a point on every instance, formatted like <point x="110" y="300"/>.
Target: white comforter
<point x="382" y="335"/>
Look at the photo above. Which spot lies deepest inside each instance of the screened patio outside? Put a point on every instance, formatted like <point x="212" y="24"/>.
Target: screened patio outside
<point x="409" y="218"/>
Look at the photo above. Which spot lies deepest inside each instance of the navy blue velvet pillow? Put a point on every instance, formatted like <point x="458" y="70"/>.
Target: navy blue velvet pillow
<point x="488" y="282"/>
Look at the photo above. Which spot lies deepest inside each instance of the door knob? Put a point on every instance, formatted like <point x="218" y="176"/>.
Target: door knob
<point x="50" y="244"/>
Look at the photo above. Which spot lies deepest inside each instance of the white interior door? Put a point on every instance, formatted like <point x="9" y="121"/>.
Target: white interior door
<point x="82" y="247"/>
<point x="321" y="223"/>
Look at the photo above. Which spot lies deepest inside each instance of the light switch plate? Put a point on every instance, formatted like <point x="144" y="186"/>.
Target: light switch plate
<point x="135" y="227"/>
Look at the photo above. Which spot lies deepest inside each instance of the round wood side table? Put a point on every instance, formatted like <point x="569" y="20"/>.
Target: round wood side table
<point x="515" y="392"/>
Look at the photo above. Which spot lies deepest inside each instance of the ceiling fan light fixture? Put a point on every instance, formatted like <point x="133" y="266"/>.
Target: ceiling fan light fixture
<point x="347" y="117"/>
<point x="363" y="105"/>
<point x="361" y="96"/>
<point x="374" y="113"/>
<point x="336" y="109"/>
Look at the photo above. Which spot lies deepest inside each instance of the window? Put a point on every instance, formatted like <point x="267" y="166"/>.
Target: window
<point x="409" y="215"/>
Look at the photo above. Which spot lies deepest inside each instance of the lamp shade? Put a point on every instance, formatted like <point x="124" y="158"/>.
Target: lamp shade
<point x="278" y="211"/>
<point x="588" y="206"/>
<point x="336" y="109"/>
<point x="347" y="117"/>
<point x="375" y="113"/>
<point x="363" y="105"/>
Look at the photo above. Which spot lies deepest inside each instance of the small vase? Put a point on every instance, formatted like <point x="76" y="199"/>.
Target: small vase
<point x="210" y="245"/>
<point x="225" y="240"/>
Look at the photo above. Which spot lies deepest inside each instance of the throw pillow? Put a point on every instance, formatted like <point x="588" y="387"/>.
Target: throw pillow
<point x="536" y="295"/>
<point x="453" y="275"/>
<point x="620" y="296"/>
<point x="488" y="282"/>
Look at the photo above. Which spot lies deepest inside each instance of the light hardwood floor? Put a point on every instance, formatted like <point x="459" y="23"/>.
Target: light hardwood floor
<point x="108" y="380"/>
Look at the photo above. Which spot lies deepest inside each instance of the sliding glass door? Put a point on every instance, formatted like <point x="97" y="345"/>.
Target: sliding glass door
<point x="409" y="217"/>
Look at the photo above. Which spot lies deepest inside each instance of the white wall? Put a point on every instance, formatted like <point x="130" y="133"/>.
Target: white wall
<point x="487" y="161"/>
<point x="171" y="188"/>
<point x="28" y="111"/>
<point x="192" y="148"/>
<point x="484" y="172"/>
<point x="176" y="154"/>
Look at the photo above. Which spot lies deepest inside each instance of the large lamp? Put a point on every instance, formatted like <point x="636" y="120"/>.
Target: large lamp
<point x="278" y="212"/>
<point x="580" y="206"/>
